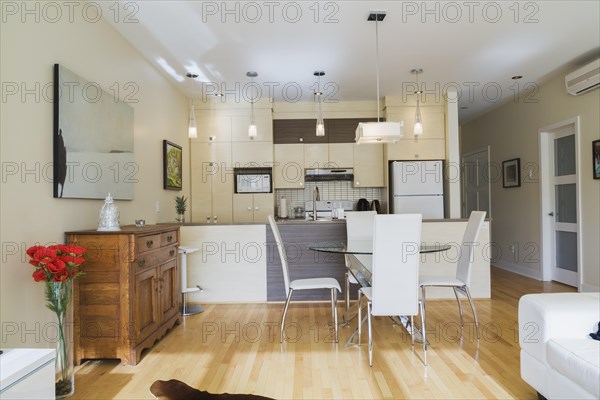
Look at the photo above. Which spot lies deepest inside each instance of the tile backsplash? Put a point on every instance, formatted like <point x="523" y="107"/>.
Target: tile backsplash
<point x="337" y="190"/>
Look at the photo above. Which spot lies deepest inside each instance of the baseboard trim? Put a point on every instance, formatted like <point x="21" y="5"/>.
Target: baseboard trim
<point x="518" y="269"/>
<point x="589" y="288"/>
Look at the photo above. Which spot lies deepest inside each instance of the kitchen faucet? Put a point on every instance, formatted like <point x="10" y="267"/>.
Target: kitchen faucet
<point x="316" y="197"/>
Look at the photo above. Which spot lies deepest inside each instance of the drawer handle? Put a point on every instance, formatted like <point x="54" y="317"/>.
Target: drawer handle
<point x="172" y="252"/>
<point x="149" y="243"/>
<point x="169" y="238"/>
<point x="141" y="263"/>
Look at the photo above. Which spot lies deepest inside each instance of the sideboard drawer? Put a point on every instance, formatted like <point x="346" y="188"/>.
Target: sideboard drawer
<point x="168" y="238"/>
<point x="156" y="257"/>
<point x="147" y="243"/>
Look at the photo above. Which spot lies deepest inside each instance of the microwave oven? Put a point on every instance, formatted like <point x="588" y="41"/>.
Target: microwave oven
<point x="253" y="181"/>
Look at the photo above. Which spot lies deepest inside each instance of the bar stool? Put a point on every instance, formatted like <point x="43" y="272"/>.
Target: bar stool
<point x="185" y="309"/>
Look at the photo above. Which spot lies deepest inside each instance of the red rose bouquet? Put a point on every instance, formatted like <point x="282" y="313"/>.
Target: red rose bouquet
<point x="57" y="266"/>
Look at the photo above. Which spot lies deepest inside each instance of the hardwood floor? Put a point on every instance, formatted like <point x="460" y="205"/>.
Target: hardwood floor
<point x="236" y="349"/>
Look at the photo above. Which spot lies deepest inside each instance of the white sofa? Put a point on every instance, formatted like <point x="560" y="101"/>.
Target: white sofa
<point x="558" y="357"/>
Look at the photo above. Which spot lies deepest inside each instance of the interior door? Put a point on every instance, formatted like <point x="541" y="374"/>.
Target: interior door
<point x="476" y="182"/>
<point x="563" y="206"/>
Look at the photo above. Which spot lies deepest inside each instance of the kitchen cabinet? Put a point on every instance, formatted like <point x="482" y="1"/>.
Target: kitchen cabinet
<point x="264" y="127"/>
<point x="343" y="130"/>
<point x="419" y="149"/>
<point x="212" y="182"/>
<point x="288" y="168"/>
<point x="431" y="145"/>
<point x="252" y="207"/>
<point x="316" y="155"/>
<point x="368" y="165"/>
<point x="332" y="155"/>
<point x="294" y="131"/>
<point x="212" y="127"/>
<point x="129" y="295"/>
<point x="252" y="154"/>
<point x="341" y="155"/>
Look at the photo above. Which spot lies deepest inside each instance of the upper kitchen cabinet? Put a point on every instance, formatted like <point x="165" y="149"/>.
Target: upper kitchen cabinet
<point x="264" y="127"/>
<point x="431" y="145"/>
<point x="341" y="155"/>
<point x="252" y="154"/>
<point x="213" y="127"/>
<point x="294" y="131"/>
<point x="368" y="165"/>
<point x="343" y="130"/>
<point x="337" y="130"/>
<point x="288" y="167"/>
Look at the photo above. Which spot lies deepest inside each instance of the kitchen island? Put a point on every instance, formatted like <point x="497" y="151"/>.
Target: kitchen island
<point x="239" y="262"/>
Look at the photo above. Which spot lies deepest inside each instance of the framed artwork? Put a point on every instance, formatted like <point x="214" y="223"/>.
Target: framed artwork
<point x="596" y="158"/>
<point x="93" y="141"/>
<point x="511" y="173"/>
<point x="172" y="166"/>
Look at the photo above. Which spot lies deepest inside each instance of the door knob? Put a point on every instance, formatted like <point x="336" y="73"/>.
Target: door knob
<point x="551" y="213"/>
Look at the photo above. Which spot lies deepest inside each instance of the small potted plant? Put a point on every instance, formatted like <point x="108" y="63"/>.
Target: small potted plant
<point x="180" y="207"/>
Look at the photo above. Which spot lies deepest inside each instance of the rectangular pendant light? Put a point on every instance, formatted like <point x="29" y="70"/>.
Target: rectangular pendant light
<point x="379" y="132"/>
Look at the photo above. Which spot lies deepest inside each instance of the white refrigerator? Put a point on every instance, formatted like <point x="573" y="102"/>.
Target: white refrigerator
<point x="417" y="187"/>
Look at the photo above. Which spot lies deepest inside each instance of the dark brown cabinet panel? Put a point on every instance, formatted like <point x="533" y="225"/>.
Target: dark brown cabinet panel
<point x="292" y="131"/>
<point x="337" y="130"/>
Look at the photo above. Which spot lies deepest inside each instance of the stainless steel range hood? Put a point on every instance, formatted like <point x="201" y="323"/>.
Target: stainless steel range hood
<point x="329" y="174"/>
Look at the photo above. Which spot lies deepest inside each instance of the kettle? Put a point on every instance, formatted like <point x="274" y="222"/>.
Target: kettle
<point x="375" y="206"/>
<point x="362" y="205"/>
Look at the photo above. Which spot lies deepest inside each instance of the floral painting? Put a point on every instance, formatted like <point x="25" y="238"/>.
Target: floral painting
<point x="172" y="166"/>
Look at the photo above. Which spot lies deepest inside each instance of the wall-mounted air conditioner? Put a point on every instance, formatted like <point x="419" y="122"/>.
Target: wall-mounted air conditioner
<point x="584" y="79"/>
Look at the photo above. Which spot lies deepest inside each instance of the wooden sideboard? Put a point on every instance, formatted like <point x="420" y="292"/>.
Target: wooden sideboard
<point x="129" y="295"/>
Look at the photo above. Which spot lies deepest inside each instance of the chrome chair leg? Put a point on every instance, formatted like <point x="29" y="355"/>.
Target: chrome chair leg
<point x="285" y="308"/>
<point x="335" y="315"/>
<point x="466" y="289"/>
<point x="423" y="295"/>
<point x="347" y="288"/>
<point x="360" y="297"/>
<point x="370" y="329"/>
<point x="412" y="333"/>
<point x="423" y="331"/>
<point x="460" y="311"/>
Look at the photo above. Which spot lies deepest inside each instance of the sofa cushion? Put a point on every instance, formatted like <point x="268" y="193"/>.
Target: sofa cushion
<point x="577" y="359"/>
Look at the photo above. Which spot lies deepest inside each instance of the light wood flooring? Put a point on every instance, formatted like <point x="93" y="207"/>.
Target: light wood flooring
<point x="236" y="349"/>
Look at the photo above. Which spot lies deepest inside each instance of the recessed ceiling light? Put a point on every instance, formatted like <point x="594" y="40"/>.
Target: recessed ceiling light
<point x="517" y="77"/>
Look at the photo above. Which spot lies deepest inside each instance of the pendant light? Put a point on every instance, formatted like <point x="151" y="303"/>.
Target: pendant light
<point x="378" y="132"/>
<point x="318" y="94"/>
<point x="418" y="130"/>
<point x="192" y="129"/>
<point x="252" y="131"/>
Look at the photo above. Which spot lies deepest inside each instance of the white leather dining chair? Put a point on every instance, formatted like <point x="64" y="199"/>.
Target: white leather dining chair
<point x="460" y="283"/>
<point x="359" y="226"/>
<point x="303" y="284"/>
<point x="394" y="287"/>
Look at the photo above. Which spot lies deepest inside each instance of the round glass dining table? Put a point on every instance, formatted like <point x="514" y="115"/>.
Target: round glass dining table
<point x="359" y="264"/>
<point x="360" y="267"/>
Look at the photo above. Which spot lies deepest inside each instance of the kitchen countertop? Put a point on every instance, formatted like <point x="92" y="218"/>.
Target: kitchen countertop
<point x="302" y="221"/>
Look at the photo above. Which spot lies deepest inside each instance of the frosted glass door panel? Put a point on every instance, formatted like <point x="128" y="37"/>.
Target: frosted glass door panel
<point x="566" y="250"/>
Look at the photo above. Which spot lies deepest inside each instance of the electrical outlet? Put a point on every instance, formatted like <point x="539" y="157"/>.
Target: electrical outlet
<point x="157" y="206"/>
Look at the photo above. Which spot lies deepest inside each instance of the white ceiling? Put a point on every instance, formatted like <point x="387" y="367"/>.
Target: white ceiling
<point x="475" y="46"/>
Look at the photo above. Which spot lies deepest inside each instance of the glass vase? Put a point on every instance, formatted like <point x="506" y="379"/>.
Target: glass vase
<point x="59" y="297"/>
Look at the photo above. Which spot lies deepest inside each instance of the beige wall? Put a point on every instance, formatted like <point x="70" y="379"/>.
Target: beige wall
<point x="512" y="131"/>
<point x="29" y="213"/>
